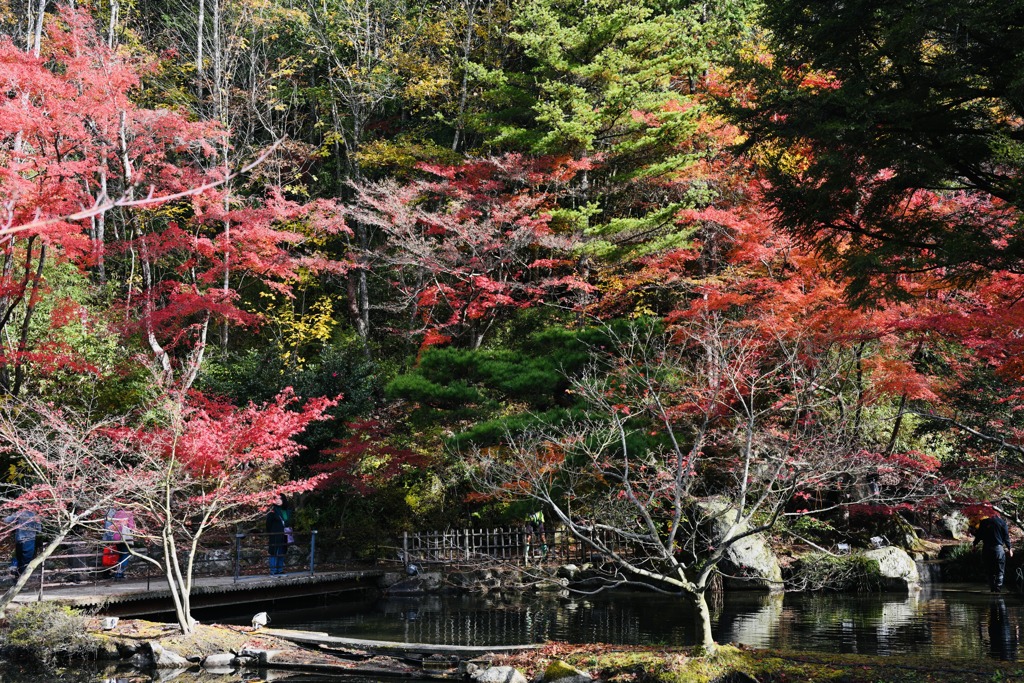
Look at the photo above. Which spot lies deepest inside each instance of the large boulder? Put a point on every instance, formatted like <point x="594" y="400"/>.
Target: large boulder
<point x="897" y="569"/>
<point x="167" y="659"/>
<point x="953" y="525"/>
<point x="750" y="563"/>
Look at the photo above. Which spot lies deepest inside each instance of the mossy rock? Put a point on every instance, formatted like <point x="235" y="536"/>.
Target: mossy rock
<point x="558" y="670"/>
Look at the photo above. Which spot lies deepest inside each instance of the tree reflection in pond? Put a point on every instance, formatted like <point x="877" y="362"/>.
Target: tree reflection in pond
<point x="955" y="621"/>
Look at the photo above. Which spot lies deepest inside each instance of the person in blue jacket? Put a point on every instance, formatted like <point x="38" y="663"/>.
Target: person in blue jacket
<point x="26" y="526"/>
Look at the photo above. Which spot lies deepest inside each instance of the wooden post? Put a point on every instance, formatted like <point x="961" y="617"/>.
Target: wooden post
<point x="405" y="548"/>
<point x="465" y="536"/>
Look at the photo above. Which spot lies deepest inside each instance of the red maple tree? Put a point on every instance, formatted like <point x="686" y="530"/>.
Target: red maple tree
<point x="473" y="243"/>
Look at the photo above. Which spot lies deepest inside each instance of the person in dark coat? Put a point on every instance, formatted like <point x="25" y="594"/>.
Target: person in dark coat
<point x="278" y="520"/>
<point x="995" y="546"/>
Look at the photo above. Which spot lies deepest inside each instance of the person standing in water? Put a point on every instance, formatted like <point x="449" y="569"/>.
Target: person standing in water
<point x="994" y="537"/>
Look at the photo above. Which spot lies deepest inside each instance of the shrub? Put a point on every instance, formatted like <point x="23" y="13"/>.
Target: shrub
<point x="43" y="634"/>
<point x="822" y="571"/>
<point x="961" y="563"/>
<point x="814" y="528"/>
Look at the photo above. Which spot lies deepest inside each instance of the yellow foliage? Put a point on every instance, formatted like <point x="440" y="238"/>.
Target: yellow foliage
<point x="791" y="161"/>
<point x="298" y="331"/>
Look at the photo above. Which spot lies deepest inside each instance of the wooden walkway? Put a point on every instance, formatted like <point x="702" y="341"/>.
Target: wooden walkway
<point x="140" y="597"/>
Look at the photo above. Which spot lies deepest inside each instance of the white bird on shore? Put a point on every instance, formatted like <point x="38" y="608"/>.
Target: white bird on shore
<point x="260" y="620"/>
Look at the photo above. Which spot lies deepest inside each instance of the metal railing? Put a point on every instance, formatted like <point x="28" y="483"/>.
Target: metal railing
<point x="79" y="562"/>
<point x="497" y="545"/>
<point x="245" y="555"/>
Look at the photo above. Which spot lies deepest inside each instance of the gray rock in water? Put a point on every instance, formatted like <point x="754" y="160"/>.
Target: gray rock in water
<point x="126" y="649"/>
<point x="498" y="674"/>
<point x="167" y="659"/>
<point x="106" y="650"/>
<point x="223" y="660"/>
<point x="424" y="582"/>
<point x="556" y="585"/>
<point x="568" y="571"/>
<point x="897" y="569"/>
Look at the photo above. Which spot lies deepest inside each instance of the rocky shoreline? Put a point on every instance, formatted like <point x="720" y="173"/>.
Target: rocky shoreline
<point x="147" y="652"/>
<point x="244" y="652"/>
<point x="224" y="649"/>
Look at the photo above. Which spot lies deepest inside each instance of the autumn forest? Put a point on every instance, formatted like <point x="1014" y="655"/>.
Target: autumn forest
<point x="421" y="265"/>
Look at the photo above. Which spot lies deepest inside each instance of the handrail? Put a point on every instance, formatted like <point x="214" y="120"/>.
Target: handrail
<point x="242" y="555"/>
<point x="497" y="545"/>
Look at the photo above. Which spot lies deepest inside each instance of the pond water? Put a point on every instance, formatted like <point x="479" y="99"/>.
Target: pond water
<point x="947" y="620"/>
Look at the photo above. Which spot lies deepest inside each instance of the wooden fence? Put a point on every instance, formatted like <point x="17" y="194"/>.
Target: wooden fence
<point x="497" y="545"/>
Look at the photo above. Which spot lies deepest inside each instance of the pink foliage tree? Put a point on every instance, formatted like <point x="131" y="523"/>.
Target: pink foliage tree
<point x="210" y="465"/>
<point x="126" y="195"/>
<point x="68" y="471"/>
<point x="473" y="243"/>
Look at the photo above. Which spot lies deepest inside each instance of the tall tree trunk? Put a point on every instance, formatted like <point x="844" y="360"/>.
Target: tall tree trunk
<point x="860" y="390"/>
<point x="897" y="425"/>
<point x="201" y="18"/>
<point x="172" y="575"/>
<point x="37" y="36"/>
<point x="172" y="571"/>
<point x="33" y="301"/>
<point x="707" y="639"/>
<point x="115" y="7"/>
<point x="99" y="232"/>
<point x="467" y="48"/>
<point x="901" y="411"/>
<point x="147" y="292"/>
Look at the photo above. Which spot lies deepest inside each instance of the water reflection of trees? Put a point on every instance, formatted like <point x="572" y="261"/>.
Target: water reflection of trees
<point x="953" y="624"/>
<point x="957" y="626"/>
<point x="504" y="619"/>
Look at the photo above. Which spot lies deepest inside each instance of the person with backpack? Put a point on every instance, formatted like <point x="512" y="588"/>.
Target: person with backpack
<point x="119" y="528"/>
